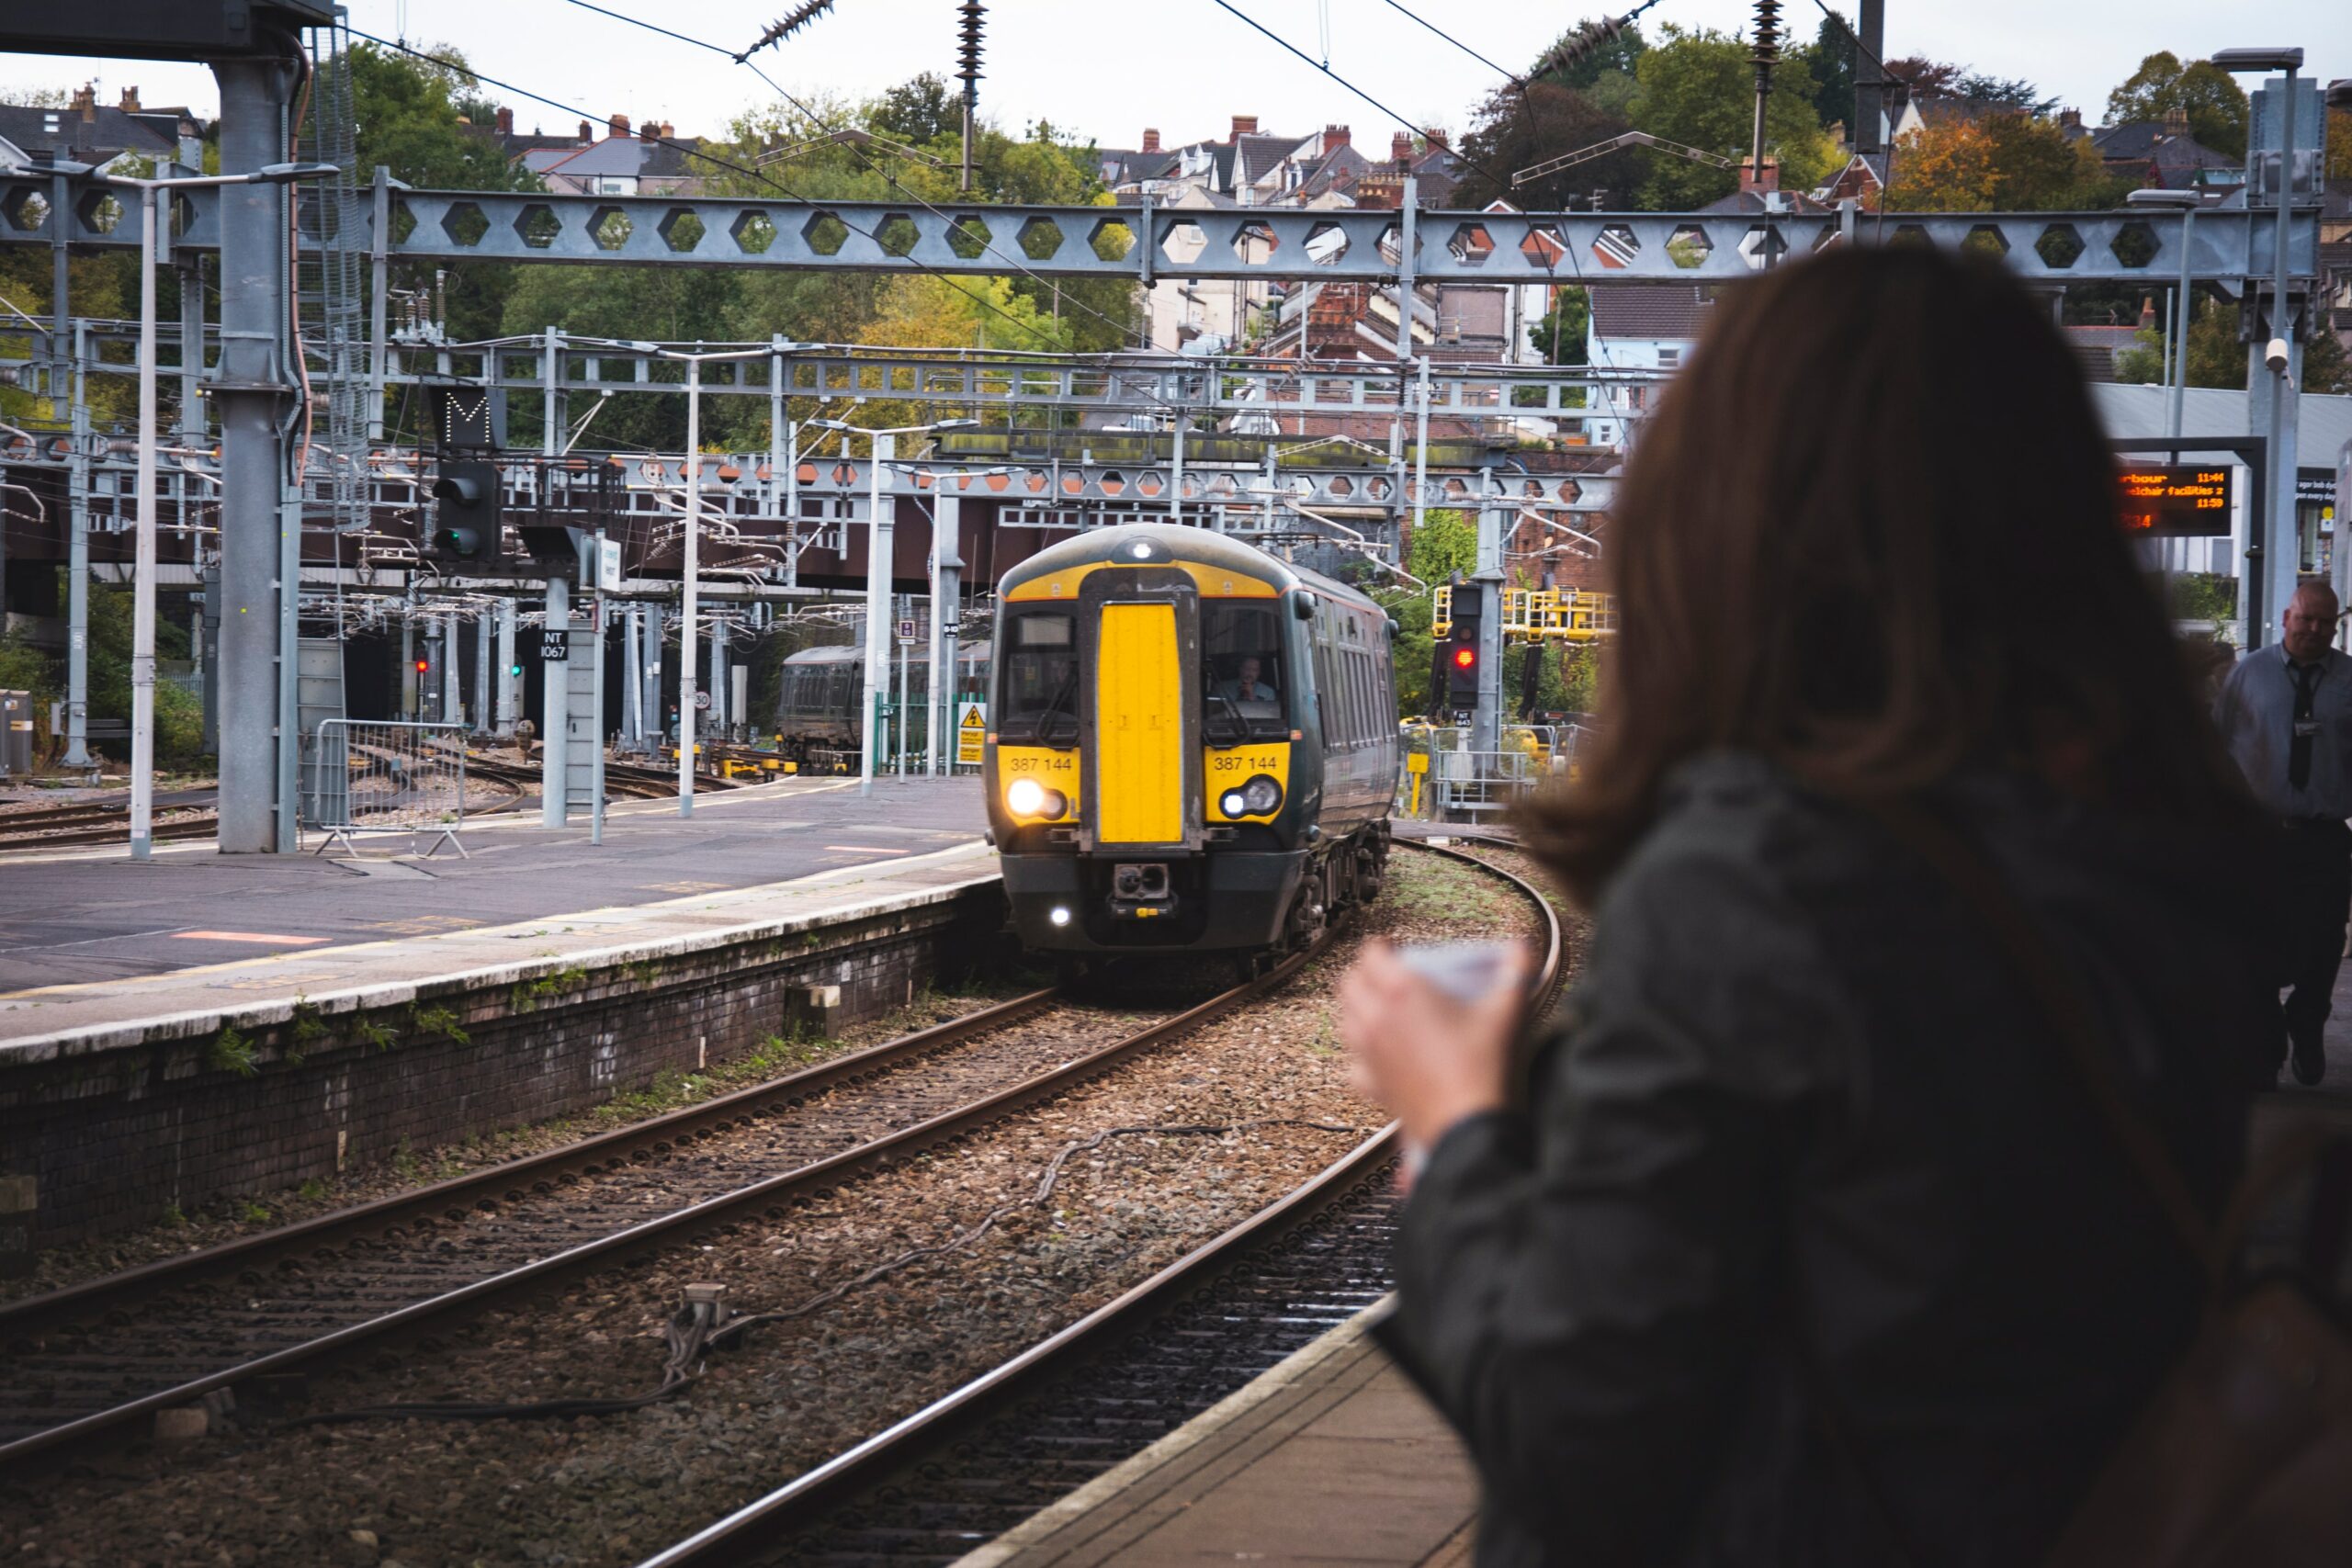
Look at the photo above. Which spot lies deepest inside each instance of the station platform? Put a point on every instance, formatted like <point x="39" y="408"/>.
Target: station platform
<point x="1329" y="1457"/>
<point x="88" y="937"/>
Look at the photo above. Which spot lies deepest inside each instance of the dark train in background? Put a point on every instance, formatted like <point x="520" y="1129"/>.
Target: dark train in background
<point x="1190" y="745"/>
<point x="820" y="718"/>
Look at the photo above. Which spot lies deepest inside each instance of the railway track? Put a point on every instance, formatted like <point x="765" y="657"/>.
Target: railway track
<point x="975" y="1462"/>
<point x="101" y="822"/>
<point x="89" y="1363"/>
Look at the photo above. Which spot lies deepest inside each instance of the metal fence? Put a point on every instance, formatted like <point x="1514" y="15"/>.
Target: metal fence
<point x="1446" y="781"/>
<point x="360" y="776"/>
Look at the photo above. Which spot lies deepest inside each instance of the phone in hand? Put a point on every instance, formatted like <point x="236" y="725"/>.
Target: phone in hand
<point x="1465" y="971"/>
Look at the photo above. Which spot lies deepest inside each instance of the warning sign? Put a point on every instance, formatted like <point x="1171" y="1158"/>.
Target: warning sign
<point x="971" y="729"/>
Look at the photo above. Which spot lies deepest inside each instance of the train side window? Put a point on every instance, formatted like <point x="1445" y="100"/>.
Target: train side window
<point x="1039" y="701"/>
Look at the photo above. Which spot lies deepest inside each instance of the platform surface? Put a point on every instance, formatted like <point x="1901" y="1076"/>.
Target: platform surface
<point x="1329" y="1457"/>
<point x="91" y="940"/>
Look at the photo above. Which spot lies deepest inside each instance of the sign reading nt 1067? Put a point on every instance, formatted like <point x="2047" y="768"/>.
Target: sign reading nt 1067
<point x="2174" y="498"/>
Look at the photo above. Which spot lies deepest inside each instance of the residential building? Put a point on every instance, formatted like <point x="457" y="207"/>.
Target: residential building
<point x="651" y="161"/>
<point x="1638" y="327"/>
<point x="86" y="132"/>
<point x="2163" y="155"/>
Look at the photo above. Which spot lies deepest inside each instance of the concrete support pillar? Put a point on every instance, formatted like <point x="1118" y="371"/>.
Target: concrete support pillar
<point x="2273" y="410"/>
<point x="721" y="711"/>
<point x="77" y="572"/>
<point x="252" y="393"/>
<point x="408" y="666"/>
<point x="947" y="570"/>
<point x="633" y="679"/>
<point x="208" y="629"/>
<point x="1485" y="723"/>
<point x="482" y="662"/>
<point x="555" y="691"/>
<point x="453" y="709"/>
<point x="510" y="685"/>
<point x="656" y="725"/>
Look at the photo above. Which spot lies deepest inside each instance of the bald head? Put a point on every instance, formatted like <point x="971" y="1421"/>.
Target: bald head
<point x="2310" y="622"/>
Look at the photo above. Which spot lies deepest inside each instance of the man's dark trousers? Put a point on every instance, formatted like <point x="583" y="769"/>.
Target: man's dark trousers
<point x="2319" y="868"/>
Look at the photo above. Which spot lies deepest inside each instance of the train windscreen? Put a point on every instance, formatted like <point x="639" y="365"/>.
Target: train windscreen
<point x="1038" y="683"/>
<point x="1243" y="676"/>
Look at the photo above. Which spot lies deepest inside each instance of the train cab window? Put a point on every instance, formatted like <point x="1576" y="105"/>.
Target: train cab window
<point x="1241" y="676"/>
<point x="1039" y="699"/>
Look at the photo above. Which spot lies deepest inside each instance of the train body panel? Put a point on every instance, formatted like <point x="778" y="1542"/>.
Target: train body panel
<point x="1192" y="745"/>
<point x="820" y="714"/>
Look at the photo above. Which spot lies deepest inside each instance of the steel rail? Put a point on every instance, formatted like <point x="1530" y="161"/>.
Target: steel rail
<point x="743" y="1536"/>
<point x="820" y="1174"/>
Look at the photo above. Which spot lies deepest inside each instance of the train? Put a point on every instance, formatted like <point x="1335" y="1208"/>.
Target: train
<point x="1190" y="746"/>
<point x="820" y="721"/>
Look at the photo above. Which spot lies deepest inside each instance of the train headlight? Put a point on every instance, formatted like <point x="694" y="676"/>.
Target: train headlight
<point x="1261" y="795"/>
<point x="1233" y="803"/>
<point x="1025" y="798"/>
<point x="1059" y="913"/>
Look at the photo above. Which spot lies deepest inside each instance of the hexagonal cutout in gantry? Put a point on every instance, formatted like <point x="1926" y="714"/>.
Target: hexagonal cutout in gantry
<point x="464" y="223"/>
<point x="680" y="229"/>
<point x="1040" y="239"/>
<point x="2060" y="246"/>
<point x="1615" y="245"/>
<point x="825" y="233"/>
<point x="1254" y="243"/>
<point x="1327" y="245"/>
<point x="538" y="226"/>
<point x="402" y="222"/>
<point x="1183" y="241"/>
<point x="1689" y="246"/>
<point x="1391" y="245"/>
<point x="25" y="208"/>
<point x="610" y="228"/>
<point x="2135" y="244"/>
<point x="1986" y="240"/>
<point x="1542" y="246"/>
<point x="896" y="235"/>
<point x="1764" y="246"/>
<point x="1471" y="243"/>
<point x="100" y="211"/>
<point x="969" y="236"/>
<point x="1111" y="239"/>
<point x="753" y="232"/>
<point x="1915" y="235"/>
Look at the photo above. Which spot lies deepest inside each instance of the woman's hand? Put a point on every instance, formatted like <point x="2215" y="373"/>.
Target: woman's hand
<point x="1429" y="1059"/>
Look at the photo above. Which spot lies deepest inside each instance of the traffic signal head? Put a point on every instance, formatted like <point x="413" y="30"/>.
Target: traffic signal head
<point x="515" y="671"/>
<point x="423" y="665"/>
<point x="1462" y="675"/>
<point x="467" y="506"/>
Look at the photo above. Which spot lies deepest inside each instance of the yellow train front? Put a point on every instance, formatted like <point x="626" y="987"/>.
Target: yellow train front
<point x="1191" y="746"/>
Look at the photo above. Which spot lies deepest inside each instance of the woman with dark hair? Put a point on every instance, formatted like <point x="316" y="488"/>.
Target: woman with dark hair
<point x="1797" y="1242"/>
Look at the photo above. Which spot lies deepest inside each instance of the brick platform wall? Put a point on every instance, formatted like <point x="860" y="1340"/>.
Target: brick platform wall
<point x="116" y="1138"/>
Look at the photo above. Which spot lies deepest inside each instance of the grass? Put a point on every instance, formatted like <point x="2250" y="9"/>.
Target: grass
<point x="1430" y="887"/>
<point x="232" y="1053"/>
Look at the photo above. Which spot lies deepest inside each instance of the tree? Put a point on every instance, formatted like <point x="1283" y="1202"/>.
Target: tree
<point x="1830" y="59"/>
<point x="1559" y="334"/>
<point x="2339" y="144"/>
<point x="1698" y="88"/>
<point x="1443" y="543"/>
<point x="2215" y="104"/>
<point x="409" y="113"/>
<point x="1514" y="130"/>
<point x="2006" y="162"/>
<point x="919" y="110"/>
<point x="2216" y="357"/>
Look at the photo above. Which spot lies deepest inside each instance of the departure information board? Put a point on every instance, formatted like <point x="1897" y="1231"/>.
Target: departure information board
<point x="2188" y="499"/>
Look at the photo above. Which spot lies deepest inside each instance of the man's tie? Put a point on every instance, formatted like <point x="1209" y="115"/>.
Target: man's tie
<point x="2299" y="755"/>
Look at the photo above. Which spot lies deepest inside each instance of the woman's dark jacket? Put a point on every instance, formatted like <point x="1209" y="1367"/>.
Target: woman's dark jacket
<point x="1802" y="1115"/>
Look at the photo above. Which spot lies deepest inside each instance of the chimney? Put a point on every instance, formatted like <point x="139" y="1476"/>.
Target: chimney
<point x="2069" y="119"/>
<point x="129" y="104"/>
<point x="616" y="126"/>
<point x="647" y="131"/>
<point x="2176" y="121"/>
<point x="668" y="131"/>
<point x="1400" y="148"/>
<point x="1770" y="182"/>
<point x="1435" y="135"/>
<point x="505" y="122"/>
<point x="1334" y="137"/>
<point x="2147" y="312"/>
<point x="1150" y="139"/>
<point x="587" y="131"/>
<point x="85" y="103"/>
<point x="1244" y="125"/>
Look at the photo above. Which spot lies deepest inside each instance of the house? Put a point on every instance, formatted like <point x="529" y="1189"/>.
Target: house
<point x="502" y="130"/>
<point x="84" y="132"/>
<point x="652" y="161"/>
<point x="2161" y="154"/>
<point x="1638" y="326"/>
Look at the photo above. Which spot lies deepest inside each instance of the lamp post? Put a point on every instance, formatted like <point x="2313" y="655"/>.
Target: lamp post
<point x="688" y="633"/>
<point x="2186" y="203"/>
<point x="879" y="536"/>
<point x="2282" y="548"/>
<point x="143" y="612"/>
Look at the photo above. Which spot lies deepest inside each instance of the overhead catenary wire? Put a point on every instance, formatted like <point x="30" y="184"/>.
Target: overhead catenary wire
<point x="1410" y="15"/>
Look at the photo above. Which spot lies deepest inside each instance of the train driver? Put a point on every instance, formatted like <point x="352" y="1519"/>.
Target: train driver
<point x="1245" y="686"/>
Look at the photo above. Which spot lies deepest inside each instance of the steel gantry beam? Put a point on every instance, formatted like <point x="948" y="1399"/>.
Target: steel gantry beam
<point x="1146" y="243"/>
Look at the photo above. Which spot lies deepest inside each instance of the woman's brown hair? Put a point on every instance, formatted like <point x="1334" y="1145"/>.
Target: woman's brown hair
<point x="1869" y="534"/>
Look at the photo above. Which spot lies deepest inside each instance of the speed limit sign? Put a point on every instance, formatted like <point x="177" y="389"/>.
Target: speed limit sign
<point x="702" y="701"/>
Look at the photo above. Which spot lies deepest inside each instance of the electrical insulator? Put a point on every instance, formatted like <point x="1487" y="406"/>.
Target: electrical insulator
<point x="1575" y="51"/>
<point x="785" y="26"/>
<point x="967" y="52"/>
<point x="1768" y="32"/>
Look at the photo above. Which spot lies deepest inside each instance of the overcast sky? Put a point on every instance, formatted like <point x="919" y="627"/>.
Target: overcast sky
<point x="1107" y="69"/>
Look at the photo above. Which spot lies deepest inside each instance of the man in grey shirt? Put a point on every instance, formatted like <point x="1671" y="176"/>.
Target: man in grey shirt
<point x="2286" y="715"/>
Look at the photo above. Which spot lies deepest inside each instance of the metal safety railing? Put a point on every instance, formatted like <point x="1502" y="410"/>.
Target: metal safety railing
<point x="1447" y="780"/>
<point x="363" y="776"/>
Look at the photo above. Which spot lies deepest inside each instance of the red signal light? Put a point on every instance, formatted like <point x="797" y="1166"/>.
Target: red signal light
<point x="422" y="666"/>
<point x="1463" y="657"/>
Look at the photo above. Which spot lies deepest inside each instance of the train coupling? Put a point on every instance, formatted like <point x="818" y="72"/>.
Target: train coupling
<point x="1140" y="891"/>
